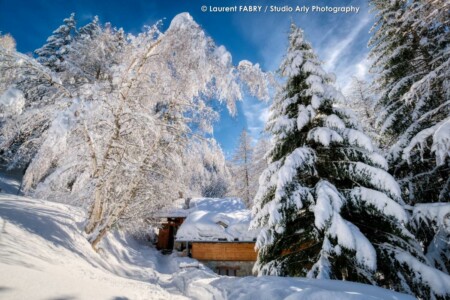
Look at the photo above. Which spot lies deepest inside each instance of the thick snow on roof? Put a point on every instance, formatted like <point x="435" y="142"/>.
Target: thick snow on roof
<point x="213" y="219"/>
<point x="176" y="210"/>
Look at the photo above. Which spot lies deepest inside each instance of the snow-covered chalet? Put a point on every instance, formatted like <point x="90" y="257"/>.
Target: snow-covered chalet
<point x="214" y="231"/>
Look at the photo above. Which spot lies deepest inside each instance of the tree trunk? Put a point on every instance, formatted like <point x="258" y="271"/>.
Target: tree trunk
<point x="96" y="212"/>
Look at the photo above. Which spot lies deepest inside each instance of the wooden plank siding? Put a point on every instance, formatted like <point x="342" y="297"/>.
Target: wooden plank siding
<point x="227" y="251"/>
<point x="163" y="238"/>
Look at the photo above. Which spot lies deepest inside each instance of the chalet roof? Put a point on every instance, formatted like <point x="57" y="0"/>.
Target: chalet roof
<point x="216" y="219"/>
<point x="178" y="209"/>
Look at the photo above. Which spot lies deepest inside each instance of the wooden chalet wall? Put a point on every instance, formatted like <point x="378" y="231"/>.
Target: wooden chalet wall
<point x="224" y="251"/>
<point x="167" y="233"/>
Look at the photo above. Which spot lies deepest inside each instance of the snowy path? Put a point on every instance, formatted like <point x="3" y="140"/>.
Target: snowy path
<point x="44" y="255"/>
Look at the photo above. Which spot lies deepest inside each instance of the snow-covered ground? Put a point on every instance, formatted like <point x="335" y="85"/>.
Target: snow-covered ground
<point x="44" y="255"/>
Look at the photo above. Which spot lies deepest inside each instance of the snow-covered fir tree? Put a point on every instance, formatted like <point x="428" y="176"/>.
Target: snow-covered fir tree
<point x="412" y="63"/>
<point x="326" y="206"/>
<point x="52" y="53"/>
<point x="242" y="168"/>
<point x="430" y="223"/>
<point x="91" y="29"/>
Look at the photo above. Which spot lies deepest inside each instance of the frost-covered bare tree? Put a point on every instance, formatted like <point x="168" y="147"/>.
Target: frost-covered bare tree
<point x="34" y="94"/>
<point x="361" y="100"/>
<point x="118" y="148"/>
<point x="7" y="42"/>
<point x="247" y="164"/>
<point x="242" y="168"/>
<point x="94" y="54"/>
<point x="205" y="170"/>
<point x="260" y="161"/>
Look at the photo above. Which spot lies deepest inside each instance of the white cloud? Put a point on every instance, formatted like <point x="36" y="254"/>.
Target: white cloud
<point x="336" y="51"/>
<point x="360" y="70"/>
<point x="264" y="116"/>
<point x="256" y="114"/>
<point x="348" y="56"/>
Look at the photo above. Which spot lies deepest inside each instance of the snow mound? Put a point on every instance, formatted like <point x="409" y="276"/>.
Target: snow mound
<point x="213" y="219"/>
<point x="43" y="255"/>
<point x="269" y="288"/>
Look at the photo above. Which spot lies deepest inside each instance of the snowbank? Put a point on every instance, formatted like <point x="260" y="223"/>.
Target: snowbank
<point x="267" y="288"/>
<point x="43" y="255"/>
<point x="204" y="286"/>
<point x="213" y="219"/>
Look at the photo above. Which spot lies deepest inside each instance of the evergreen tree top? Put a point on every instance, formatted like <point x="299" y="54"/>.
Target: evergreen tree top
<point x="308" y="91"/>
<point x="91" y="29"/>
<point x="51" y="54"/>
<point x="298" y="52"/>
<point x="70" y="21"/>
<point x="64" y="31"/>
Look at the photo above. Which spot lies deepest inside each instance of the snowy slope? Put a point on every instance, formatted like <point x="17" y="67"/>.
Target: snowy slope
<point x="43" y="255"/>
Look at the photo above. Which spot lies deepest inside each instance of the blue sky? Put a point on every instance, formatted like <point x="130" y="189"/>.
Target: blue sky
<point x="339" y="39"/>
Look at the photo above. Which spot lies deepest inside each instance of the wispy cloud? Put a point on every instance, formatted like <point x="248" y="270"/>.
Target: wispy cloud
<point x="336" y="51"/>
<point x="347" y="57"/>
<point x="359" y="70"/>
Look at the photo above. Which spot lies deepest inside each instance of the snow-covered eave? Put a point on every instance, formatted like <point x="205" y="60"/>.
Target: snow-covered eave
<point x="172" y="214"/>
<point x="214" y="241"/>
<point x="177" y="210"/>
